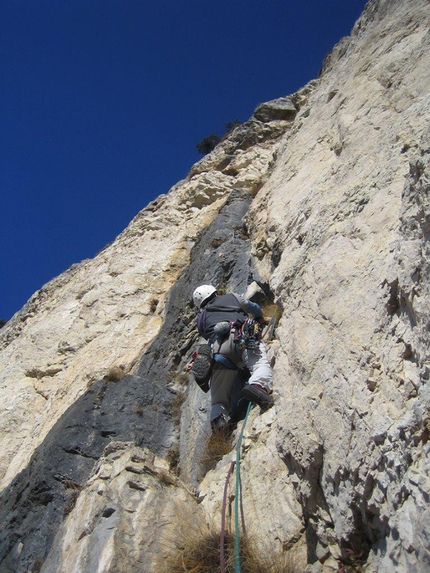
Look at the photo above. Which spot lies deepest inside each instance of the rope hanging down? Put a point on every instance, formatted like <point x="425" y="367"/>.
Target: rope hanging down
<point x="237" y="500"/>
<point x="223" y="512"/>
<point x="268" y="334"/>
<point x="238" y="494"/>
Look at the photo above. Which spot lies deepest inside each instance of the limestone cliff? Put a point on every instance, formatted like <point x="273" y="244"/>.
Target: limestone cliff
<point x="320" y="203"/>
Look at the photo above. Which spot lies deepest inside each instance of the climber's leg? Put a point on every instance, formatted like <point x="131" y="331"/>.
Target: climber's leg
<point x="259" y="386"/>
<point x="221" y="387"/>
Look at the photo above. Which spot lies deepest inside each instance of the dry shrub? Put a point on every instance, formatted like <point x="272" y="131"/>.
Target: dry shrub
<point x="165" y="478"/>
<point x="182" y="378"/>
<point x="189" y="545"/>
<point x="199" y="552"/>
<point x="272" y="309"/>
<point x="267" y="560"/>
<point x="153" y="305"/>
<point x="71" y="502"/>
<point x="178" y="378"/>
<point x="138" y="409"/>
<point x="172" y="458"/>
<point x="72" y="491"/>
<point x="215" y="243"/>
<point x="176" y="406"/>
<point x="115" y="373"/>
<point x="217" y="446"/>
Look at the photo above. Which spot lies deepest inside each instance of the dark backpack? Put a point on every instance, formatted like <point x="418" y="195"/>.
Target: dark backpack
<point x="224" y="308"/>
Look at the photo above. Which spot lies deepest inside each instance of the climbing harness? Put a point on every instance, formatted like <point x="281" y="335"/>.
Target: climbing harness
<point x="221" y="359"/>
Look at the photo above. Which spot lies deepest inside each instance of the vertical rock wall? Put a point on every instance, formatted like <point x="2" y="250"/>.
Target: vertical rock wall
<point x="341" y="234"/>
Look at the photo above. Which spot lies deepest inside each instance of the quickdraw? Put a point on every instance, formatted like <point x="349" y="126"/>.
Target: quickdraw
<point x="249" y="334"/>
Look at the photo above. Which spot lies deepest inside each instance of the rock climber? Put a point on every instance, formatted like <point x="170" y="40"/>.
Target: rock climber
<point x="232" y="325"/>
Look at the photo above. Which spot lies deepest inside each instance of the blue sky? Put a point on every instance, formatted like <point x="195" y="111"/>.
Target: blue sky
<point x="103" y="101"/>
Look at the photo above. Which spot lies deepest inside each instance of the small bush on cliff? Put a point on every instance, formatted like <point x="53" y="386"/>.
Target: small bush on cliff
<point x="208" y="143"/>
<point x="153" y="305"/>
<point x="217" y="446"/>
<point x="115" y="373"/>
<point x="189" y="545"/>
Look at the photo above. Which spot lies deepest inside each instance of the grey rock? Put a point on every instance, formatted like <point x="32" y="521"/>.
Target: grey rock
<point x="278" y="109"/>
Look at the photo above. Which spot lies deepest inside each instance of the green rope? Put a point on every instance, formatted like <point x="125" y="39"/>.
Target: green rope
<point x="238" y="494"/>
<point x="224" y="507"/>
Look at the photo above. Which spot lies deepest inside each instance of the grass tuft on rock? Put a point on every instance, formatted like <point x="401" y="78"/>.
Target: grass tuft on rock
<point x="201" y="554"/>
<point x="218" y="445"/>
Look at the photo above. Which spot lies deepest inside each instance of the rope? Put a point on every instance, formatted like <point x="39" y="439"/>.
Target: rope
<point x="224" y="506"/>
<point x="242" y="513"/>
<point x="272" y="327"/>
<point x="269" y="331"/>
<point x="238" y="494"/>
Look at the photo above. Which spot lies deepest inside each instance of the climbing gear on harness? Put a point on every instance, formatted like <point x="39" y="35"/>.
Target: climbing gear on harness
<point x="257" y="394"/>
<point x="202" y="294"/>
<point x="202" y="366"/>
<point x="249" y="334"/>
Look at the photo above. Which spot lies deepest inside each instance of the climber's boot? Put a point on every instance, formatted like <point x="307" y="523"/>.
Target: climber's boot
<point x="257" y="394"/>
<point x="219" y="424"/>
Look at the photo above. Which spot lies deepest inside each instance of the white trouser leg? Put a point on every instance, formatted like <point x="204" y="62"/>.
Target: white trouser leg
<point x="261" y="371"/>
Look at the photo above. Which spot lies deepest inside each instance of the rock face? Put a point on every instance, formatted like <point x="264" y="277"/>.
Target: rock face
<point x="320" y="203"/>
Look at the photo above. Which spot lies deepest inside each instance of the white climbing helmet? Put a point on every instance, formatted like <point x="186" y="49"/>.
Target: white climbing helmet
<point x="202" y="293"/>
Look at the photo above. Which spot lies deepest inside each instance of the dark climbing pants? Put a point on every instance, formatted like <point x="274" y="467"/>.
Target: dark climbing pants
<point x="255" y="359"/>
